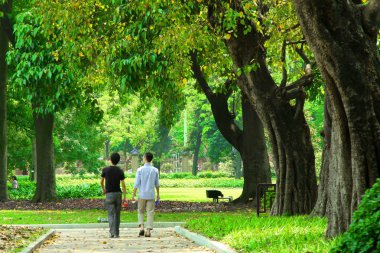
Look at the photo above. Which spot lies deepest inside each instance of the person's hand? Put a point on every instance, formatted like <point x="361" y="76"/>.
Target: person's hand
<point x="133" y="199"/>
<point x="124" y="199"/>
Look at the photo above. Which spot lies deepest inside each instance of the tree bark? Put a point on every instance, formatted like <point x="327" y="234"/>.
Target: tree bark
<point x="3" y="114"/>
<point x="341" y="35"/>
<point x="46" y="183"/>
<point x="107" y="147"/>
<point x="256" y="167"/>
<point x="287" y="128"/>
<point x="237" y="163"/>
<point x="249" y="142"/>
<point x="320" y="208"/>
<point x="197" y="149"/>
<point x="34" y="160"/>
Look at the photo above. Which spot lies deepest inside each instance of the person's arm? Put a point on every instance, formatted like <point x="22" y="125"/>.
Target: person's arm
<point x="157" y="184"/>
<point x="134" y="194"/>
<point x="158" y="192"/>
<point x="102" y="184"/>
<point x="124" y="190"/>
<point x="136" y="185"/>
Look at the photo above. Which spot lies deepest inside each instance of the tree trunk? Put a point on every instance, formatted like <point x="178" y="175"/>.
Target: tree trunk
<point x="249" y="142"/>
<point x="46" y="185"/>
<point x="350" y="65"/>
<point x="3" y="114"/>
<point x="237" y="163"/>
<point x="254" y="153"/>
<point x="320" y="208"/>
<point x="287" y="128"/>
<point x="107" y="146"/>
<point x="197" y="148"/>
<point x="33" y="172"/>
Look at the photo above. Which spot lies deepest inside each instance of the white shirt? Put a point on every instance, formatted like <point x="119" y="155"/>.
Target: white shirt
<point x="146" y="180"/>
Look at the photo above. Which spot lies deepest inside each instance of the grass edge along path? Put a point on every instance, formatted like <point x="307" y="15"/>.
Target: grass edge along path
<point x="249" y="233"/>
<point x="15" y="239"/>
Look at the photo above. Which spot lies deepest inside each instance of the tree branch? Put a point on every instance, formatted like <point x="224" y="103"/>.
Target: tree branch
<point x="302" y="54"/>
<point x="198" y="74"/>
<point x="371" y="17"/>
<point x="219" y="106"/>
<point x="283" y="60"/>
<point x="302" y="82"/>
<point x="296" y="42"/>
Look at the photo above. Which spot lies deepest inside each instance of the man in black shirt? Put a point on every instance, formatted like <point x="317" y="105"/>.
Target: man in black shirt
<point x="113" y="176"/>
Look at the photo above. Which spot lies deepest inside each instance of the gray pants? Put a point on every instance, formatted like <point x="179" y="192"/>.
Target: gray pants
<point x="113" y="205"/>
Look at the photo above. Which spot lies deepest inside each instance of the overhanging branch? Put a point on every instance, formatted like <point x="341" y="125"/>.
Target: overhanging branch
<point x="371" y="17"/>
<point x="198" y="74"/>
<point x="283" y="61"/>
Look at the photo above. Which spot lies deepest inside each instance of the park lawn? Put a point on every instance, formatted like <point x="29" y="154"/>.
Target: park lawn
<point x="195" y="194"/>
<point x="265" y="234"/>
<point x="188" y="194"/>
<point x="13" y="217"/>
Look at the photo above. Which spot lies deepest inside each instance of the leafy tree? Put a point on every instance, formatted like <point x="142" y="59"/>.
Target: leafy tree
<point x="5" y="9"/>
<point x="77" y="140"/>
<point x="349" y="62"/>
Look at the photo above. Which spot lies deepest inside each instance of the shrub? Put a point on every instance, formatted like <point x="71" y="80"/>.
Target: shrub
<point x="167" y="168"/>
<point x="363" y="234"/>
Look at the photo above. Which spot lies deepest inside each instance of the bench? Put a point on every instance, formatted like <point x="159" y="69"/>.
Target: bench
<point x="216" y="195"/>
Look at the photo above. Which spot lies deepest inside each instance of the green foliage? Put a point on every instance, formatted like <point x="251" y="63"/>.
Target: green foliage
<point x="77" y="140"/>
<point x="248" y="233"/>
<point x="363" y="234"/>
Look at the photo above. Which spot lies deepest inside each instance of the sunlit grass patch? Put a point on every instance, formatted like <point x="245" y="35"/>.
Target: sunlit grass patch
<point x="248" y="233"/>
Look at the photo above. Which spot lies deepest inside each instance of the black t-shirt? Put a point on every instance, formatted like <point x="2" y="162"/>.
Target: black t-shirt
<point x="113" y="175"/>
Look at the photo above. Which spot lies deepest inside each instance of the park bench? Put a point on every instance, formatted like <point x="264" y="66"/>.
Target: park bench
<point x="265" y="192"/>
<point x="217" y="195"/>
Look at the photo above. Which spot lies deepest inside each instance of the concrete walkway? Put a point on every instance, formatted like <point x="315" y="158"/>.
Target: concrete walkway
<point x="96" y="240"/>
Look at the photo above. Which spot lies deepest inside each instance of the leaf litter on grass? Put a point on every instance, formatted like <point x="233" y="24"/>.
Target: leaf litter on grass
<point x="16" y="237"/>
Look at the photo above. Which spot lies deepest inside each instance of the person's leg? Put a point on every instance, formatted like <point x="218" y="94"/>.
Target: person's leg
<point x="110" y="205"/>
<point x="117" y="213"/>
<point x="141" y="211"/>
<point x="150" y="214"/>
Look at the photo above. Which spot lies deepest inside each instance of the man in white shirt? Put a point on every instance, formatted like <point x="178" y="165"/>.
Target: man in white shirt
<point x="146" y="180"/>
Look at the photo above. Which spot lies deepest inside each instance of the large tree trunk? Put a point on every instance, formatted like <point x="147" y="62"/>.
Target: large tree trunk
<point x="320" y="208"/>
<point x="256" y="168"/>
<point x="3" y="114"/>
<point x="287" y="128"/>
<point x="342" y="36"/>
<point x="237" y="162"/>
<point x="46" y="185"/>
<point x="249" y="142"/>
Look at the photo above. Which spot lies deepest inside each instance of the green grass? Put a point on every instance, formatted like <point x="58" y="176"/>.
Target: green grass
<point x="13" y="217"/>
<point x="195" y="194"/>
<point x="248" y="233"/>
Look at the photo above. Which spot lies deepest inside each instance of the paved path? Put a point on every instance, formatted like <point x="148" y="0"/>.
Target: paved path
<point x="96" y="240"/>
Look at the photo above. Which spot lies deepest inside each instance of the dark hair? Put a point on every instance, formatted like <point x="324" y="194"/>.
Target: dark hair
<point x="115" y="158"/>
<point x="148" y="156"/>
<point x="14" y="178"/>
